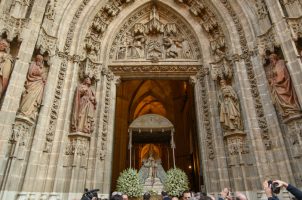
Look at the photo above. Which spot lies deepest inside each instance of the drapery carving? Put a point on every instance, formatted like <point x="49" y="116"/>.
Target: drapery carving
<point x="6" y="65"/>
<point x="84" y="106"/>
<point x="283" y="93"/>
<point x="230" y="116"/>
<point x="34" y="88"/>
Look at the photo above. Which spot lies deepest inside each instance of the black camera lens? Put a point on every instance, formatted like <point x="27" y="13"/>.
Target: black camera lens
<point x="274" y="187"/>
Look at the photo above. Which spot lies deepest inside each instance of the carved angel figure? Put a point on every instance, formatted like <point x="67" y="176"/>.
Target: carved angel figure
<point x="230" y="117"/>
<point x="34" y="87"/>
<point x="84" y="106"/>
<point x="6" y="65"/>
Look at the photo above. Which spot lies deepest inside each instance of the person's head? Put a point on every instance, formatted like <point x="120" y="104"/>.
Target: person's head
<point x="222" y="82"/>
<point x="146" y="196"/>
<point x="186" y="195"/>
<point x="125" y="197"/>
<point x="174" y="198"/>
<point x="240" y="196"/>
<point x="273" y="58"/>
<point x="4" y="45"/>
<point x="39" y="59"/>
<point x="164" y="193"/>
<point x="205" y="198"/>
<point x="116" y="197"/>
<point x="87" y="81"/>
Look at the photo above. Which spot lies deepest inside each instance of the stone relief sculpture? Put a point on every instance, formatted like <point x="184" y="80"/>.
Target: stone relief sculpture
<point x="153" y="40"/>
<point x="84" y="105"/>
<point x="34" y="88"/>
<point x="282" y="91"/>
<point x="230" y="116"/>
<point x="6" y="65"/>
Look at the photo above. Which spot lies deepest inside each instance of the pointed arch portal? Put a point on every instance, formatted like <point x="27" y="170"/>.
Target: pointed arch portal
<point x="176" y="98"/>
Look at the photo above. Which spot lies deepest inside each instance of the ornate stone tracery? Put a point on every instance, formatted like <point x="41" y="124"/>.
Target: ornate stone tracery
<point x="251" y="75"/>
<point x="211" y="26"/>
<point x="155" y="34"/>
<point x="104" y="134"/>
<point x="13" y="26"/>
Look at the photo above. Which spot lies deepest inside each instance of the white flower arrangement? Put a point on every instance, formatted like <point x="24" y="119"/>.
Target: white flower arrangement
<point x="128" y="183"/>
<point x="176" y="182"/>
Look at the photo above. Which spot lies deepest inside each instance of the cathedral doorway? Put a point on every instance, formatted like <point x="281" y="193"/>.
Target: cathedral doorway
<point x="171" y="99"/>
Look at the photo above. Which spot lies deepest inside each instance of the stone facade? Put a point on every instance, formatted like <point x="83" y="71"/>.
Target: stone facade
<point x="203" y="41"/>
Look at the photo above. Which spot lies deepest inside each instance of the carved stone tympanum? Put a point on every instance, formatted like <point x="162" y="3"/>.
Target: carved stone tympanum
<point x="155" y="38"/>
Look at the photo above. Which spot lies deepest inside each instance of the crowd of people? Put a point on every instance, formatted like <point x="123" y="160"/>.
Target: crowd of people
<point x="271" y="188"/>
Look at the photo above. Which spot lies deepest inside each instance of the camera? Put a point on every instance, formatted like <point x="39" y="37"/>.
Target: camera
<point x="274" y="187"/>
<point x="89" y="194"/>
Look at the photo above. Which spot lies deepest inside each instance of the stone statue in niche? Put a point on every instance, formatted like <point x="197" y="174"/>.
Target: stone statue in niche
<point x="34" y="88"/>
<point x="84" y="105"/>
<point x="230" y="116"/>
<point x="283" y="93"/>
<point x="6" y="65"/>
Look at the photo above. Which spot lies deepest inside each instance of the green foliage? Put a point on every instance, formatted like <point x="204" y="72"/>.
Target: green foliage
<point x="128" y="183"/>
<point x="176" y="182"/>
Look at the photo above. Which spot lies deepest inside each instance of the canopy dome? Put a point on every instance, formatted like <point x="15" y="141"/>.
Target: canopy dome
<point x="150" y="123"/>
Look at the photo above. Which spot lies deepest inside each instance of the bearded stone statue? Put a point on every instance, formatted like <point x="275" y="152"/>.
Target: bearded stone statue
<point x="283" y="93"/>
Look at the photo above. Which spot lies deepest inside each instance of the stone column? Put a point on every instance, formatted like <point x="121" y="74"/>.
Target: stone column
<point x="211" y="145"/>
<point x="104" y="145"/>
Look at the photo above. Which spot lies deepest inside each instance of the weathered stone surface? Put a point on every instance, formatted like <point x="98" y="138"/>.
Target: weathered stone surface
<point x="111" y="41"/>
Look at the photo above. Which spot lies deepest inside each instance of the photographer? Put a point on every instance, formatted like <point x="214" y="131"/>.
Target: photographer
<point x="225" y="194"/>
<point x="269" y="190"/>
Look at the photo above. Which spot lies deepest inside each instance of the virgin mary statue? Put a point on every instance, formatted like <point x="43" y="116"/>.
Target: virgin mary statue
<point x="151" y="170"/>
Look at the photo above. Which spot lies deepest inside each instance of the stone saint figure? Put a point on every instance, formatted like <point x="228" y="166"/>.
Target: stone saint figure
<point x="6" y="65"/>
<point x="84" y="106"/>
<point x="34" y="87"/>
<point x="283" y="93"/>
<point x="229" y="108"/>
